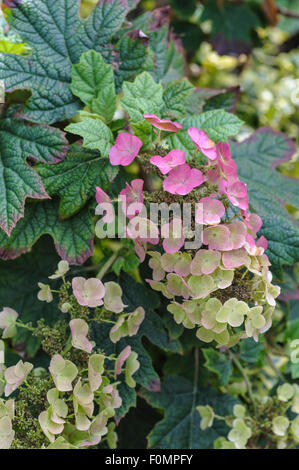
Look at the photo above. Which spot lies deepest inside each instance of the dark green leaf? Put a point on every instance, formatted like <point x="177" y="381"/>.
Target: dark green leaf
<point x="19" y="142"/>
<point x="58" y="37"/>
<point x="268" y="190"/>
<point x="180" y="426"/>
<point x="73" y="237"/>
<point x="75" y="179"/>
<point x="218" y="363"/>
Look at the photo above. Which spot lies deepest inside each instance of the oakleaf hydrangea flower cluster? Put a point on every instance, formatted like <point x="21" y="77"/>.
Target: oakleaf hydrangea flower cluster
<point x="223" y="289"/>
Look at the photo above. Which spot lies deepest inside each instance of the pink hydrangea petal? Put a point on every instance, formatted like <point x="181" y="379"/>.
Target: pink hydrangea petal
<point x="163" y="124"/>
<point x="132" y="198"/>
<point x="126" y="148"/>
<point x="196" y="178"/>
<point x="181" y="180"/>
<point x="78" y="286"/>
<point x="236" y="192"/>
<point x="173" y="159"/>
<point x="262" y="242"/>
<point x="205" y="262"/>
<point x="213" y="176"/>
<point x="225" y="161"/>
<point x="235" y="258"/>
<point x="217" y="237"/>
<point x="140" y="250"/>
<point x="203" y="142"/>
<point x="253" y="222"/>
<point x="213" y="210"/>
<point x="79" y="330"/>
<point x="121" y="359"/>
<point x="160" y="163"/>
<point x="176" y="236"/>
<point x="105" y="204"/>
<point x="238" y="234"/>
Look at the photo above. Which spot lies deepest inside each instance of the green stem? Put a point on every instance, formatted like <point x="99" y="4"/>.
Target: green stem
<point x="245" y="377"/>
<point x="274" y="368"/>
<point x="68" y="345"/>
<point x="27" y="385"/>
<point x="102" y="320"/>
<point x="107" y="265"/>
<point x="23" y="325"/>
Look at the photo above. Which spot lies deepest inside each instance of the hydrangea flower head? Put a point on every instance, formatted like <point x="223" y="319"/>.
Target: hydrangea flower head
<point x="88" y="292"/>
<point x="162" y="124"/>
<point x="125" y="150"/>
<point x="203" y="142"/>
<point x="182" y="179"/>
<point x="173" y="159"/>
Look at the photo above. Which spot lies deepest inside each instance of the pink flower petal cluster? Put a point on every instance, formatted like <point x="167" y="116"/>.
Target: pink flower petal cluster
<point x="173" y="159"/>
<point x="126" y="148"/>
<point x="163" y="124"/>
<point x="182" y="179"/>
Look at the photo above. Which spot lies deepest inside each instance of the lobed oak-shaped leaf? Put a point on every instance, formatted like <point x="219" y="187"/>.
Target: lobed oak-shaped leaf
<point x="93" y="83"/>
<point x="73" y="238"/>
<point x="96" y="135"/>
<point x="257" y="159"/>
<point x="75" y="179"/>
<point x="58" y="38"/>
<point x="180" y="426"/>
<point x="19" y="283"/>
<point x="20" y="141"/>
